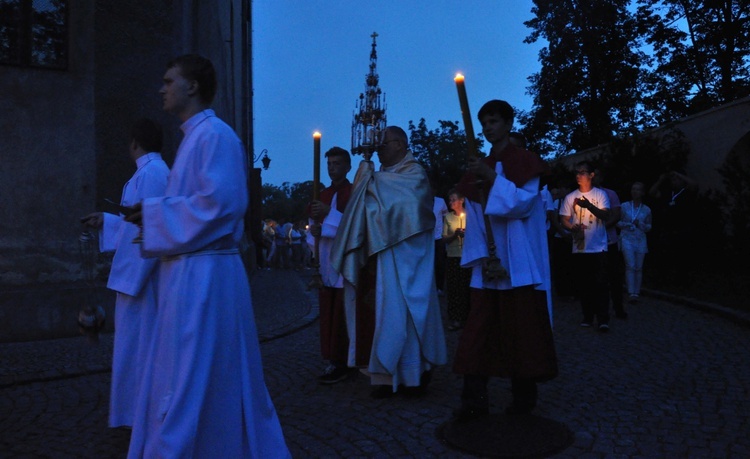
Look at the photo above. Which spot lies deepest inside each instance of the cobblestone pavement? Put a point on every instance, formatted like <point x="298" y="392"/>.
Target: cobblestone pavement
<point x="671" y="381"/>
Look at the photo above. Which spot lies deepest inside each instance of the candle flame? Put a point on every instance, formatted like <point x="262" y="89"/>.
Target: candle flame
<point x="316" y="134"/>
<point x="459" y="78"/>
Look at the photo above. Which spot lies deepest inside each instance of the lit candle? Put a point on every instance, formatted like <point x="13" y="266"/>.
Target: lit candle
<point x="316" y="164"/>
<point x="466" y="114"/>
<point x="461" y="227"/>
<point x="317" y="280"/>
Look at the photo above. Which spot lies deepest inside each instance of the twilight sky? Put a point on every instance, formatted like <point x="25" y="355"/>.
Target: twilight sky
<point x="310" y="59"/>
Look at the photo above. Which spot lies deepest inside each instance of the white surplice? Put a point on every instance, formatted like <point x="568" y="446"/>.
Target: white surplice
<point x="134" y="279"/>
<point x="518" y="219"/>
<point x="328" y="228"/>
<point x="206" y="392"/>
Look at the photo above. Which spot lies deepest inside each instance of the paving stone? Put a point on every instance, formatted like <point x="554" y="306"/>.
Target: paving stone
<point x="671" y="381"/>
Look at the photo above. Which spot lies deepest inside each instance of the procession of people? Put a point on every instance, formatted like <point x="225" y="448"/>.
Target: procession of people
<point x="187" y="373"/>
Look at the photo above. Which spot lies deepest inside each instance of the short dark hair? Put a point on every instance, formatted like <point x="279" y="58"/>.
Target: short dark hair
<point x="148" y="134"/>
<point x="397" y="134"/>
<point x="456" y="192"/>
<point x="340" y="152"/>
<point x="589" y="166"/>
<point x="497" y="107"/>
<point x="199" y="69"/>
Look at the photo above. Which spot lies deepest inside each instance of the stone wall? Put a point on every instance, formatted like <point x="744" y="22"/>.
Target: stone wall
<point x="712" y="136"/>
<point x="65" y="139"/>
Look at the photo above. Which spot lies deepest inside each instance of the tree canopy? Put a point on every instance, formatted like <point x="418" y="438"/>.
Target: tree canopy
<point x="613" y="68"/>
<point x="441" y="151"/>
<point x="288" y="201"/>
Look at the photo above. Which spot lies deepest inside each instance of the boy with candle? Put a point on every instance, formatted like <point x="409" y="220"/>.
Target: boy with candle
<point x="585" y="212"/>
<point x="325" y="216"/>
<point x="508" y="332"/>
<point x="458" y="278"/>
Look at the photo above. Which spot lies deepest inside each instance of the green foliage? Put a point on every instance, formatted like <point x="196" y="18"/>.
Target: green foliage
<point x="587" y="89"/>
<point x="442" y="152"/>
<point x="611" y="69"/>
<point x="288" y="201"/>
<point x="700" y="54"/>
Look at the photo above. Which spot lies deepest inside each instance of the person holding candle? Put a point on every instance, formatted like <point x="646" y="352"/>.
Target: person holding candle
<point x="635" y="222"/>
<point x="508" y="332"/>
<point x="457" y="278"/>
<point x="585" y="212"/>
<point x="325" y="217"/>
<point x="389" y="223"/>
<point x="204" y="389"/>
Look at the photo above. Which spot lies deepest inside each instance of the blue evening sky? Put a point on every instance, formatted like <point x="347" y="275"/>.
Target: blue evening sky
<point x="310" y="59"/>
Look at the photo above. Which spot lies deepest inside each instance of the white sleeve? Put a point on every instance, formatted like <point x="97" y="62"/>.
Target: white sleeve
<point x="109" y="233"/>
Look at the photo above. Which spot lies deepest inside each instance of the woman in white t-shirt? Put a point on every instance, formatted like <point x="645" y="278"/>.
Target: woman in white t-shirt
<point x="634" y="223"/>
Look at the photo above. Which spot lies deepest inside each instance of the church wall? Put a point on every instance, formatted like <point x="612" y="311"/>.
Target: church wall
<point x="65" y="138"/>
<point x="48" y="151"/>
<point x="711" y="136"/>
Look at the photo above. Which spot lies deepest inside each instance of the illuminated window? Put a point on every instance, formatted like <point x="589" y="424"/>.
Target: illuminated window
<point x="33" y="33"/>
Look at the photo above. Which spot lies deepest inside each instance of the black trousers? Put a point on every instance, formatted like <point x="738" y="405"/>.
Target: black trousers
<point x="592" y="286"/>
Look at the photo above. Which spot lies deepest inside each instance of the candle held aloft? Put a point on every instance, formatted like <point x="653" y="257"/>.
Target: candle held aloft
<point x="316" y="164"/>
<point x="317" y="280"/>
<point x="466" y="114"/>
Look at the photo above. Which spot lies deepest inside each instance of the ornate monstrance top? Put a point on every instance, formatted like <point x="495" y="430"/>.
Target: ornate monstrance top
<point x="369" y="114"/>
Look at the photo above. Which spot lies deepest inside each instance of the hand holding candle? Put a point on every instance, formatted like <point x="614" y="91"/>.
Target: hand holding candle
<point x="460" y="230"/>
<point x="492" y="269"/>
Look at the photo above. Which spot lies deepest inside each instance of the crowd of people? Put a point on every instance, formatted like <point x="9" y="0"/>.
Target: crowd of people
<point x="187" y="375"/>
<point x="284" y="245"/>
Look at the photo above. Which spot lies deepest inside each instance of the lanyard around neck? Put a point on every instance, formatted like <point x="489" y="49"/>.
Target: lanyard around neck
<point x="674" y="196"/>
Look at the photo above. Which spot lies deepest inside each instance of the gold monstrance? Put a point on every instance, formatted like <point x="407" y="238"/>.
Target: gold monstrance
<point x="369" y="115"/>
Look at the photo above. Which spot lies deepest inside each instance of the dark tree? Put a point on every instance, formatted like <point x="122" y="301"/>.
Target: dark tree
<point x="442" y="152"/>
<point x="700" y="54"/>
<point x="587" y="89"/>
<point x="289" y="201"/>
